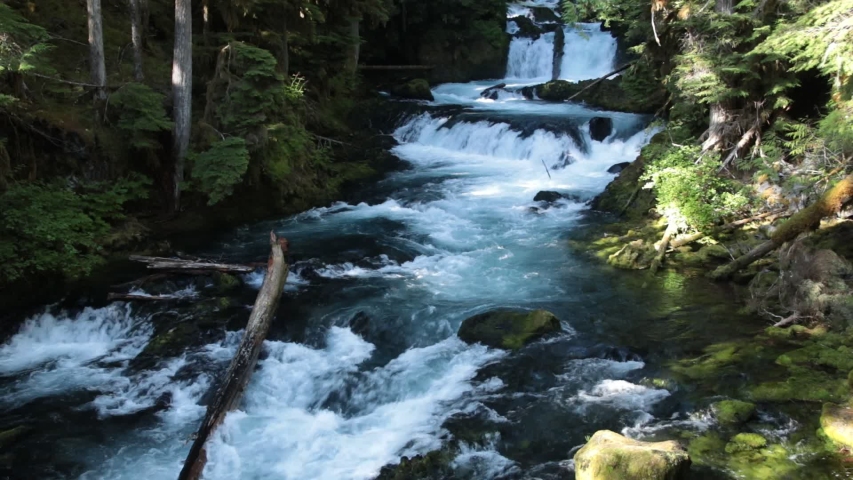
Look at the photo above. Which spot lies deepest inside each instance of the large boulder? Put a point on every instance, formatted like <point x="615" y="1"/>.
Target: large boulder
<point x="600" y="128"/>
<point x="733" y="412"/>
<point x="544" y="15"/>
<point x="508" y="329"/>
<point x="526" y="27"/>
<point x="610" y="456"/>
<point x="617" y="168"/>
<point x="837" y="423"/>
<point x="417" y="89"/>
<point x="608" y="95"/>
<point x="548" y="196"/>
<point x="493" y="93"/>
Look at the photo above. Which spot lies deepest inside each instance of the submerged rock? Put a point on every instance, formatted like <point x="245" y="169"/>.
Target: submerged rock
<point x="733" y="412"/>
<point x="508" y="329"/>
<point x="745" y="442"/>
<point x="417" y="89"/>
<point x="610" y="456"/>
<point x="837" y="423"/>
<point x="618" y="167"/>
<point x="492" y="93"/>
<point x="600" y="128"/>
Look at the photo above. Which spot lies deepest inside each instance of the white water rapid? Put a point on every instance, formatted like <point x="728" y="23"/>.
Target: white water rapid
<point x="337" y="399"/>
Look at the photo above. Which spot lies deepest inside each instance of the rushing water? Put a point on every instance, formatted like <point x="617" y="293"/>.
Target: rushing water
<point x="363" y="365"/>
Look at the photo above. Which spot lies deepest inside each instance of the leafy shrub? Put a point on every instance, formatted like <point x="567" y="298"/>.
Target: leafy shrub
<point x="141" y="115"/>
<point x="52" y="228"/>
<point x="218" y="169"/>
<point x="690" y="191"/>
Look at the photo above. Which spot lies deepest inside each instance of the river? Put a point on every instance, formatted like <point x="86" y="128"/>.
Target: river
<point x="363" y="365"/>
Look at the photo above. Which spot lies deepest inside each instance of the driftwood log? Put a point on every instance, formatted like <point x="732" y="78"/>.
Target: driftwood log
<point x="243" y="364"/>
<point x="803" y="221"/>
<point x="190" y="266"/>
<point x="144" y="298"/>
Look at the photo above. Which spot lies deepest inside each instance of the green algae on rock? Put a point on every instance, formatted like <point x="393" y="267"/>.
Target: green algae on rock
<point x="744" y="442"/>
<point x="610" y="456"/>
<point x="733" y="412"/>
<point x="508" y="329"/>
<point x="417" y="89"/>
<point x="836" y="421"/>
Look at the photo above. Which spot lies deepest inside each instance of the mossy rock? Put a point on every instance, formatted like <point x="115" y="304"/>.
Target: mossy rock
<point x="10" y="436"/>
<point x="836" y="421"/>
<point x="794" y="333"/>
<point x="804" y="385"/>
<point x="820" y="356"/>
<point x="745" y="442"/>
<point x="610" y="456"/>
<point x="508" y="329"/>
<point x="544" y="14"/>
<point x="417" y="89"/>
<point x="636" y="255"/>
<point x="608" y="95"/>
<point x="625" y="195"/>
<point x="435" y="465"/>
<point x="733" y="412"/>
<point x="225" y="282"/>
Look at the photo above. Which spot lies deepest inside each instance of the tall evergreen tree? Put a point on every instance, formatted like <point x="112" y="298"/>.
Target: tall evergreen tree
<point x="182" y="77"/>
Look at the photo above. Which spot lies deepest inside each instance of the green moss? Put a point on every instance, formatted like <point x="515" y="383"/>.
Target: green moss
<point x="745" y="442"/>
<point x="607" y="94"/>
<point x="434" y="465"/>
<point x="610" y="456"/>
<point x="818" y="355"/>
<point x="417" y="89"/>
<point x="225" y="282"/>
<point x="507" y="328"/>
<point x="733" y="411"/>
<point x="836" y="422"/>
<point x="804" y="385"/>
<point x="8" y="437"/>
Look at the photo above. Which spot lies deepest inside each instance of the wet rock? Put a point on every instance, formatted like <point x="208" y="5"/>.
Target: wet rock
<point x="745" y="442"/>
<point x="417" y="89"/>
<point x="8" y="437"/>
<point x="548" y="196"/>
<point x="492" y="93"/>
<point x="435" y="465"/>
<point x="225" y="282"/>
<point x="544" y="15"/>
<point x="610" y="456"/>
<point x="837" y="423"/>
<point x="608" y="95"/>
<point x="359" y="324"/>
<point x="733" y="412"/>
<point x="526" y="27"/>
<point x="637" y="255"/>
<point x="565" y="160"/>
<point x="600" y="128"/>
<point x="618" y="167"/>
<point x="508" y="329"/>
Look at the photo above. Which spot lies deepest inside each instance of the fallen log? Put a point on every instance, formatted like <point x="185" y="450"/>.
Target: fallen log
<point x="680" y="242"/>
<point x="664" y="244"/>
<point x="396" y="67"/>
<point x="243" y="364"/>
<point x="144" y="298"/>
<point x="600" y="79"/>
<point x="803" y="221"/>
<point x="194" y="266"/>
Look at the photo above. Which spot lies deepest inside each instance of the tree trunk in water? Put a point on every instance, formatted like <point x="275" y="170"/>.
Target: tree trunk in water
<point x="355" y="48"/>
<point x="96" y="48"/>
<point x="136" y="38"/>
<point x="242" y="365"/>
<point x="182" y="78"/>
<point x="805" y="220"/>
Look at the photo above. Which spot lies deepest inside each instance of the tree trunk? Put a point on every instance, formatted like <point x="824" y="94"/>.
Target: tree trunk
<point x="805" y="220"/>
<point x="205" y="17"/>
<point x="355" y="47"/>
<point x="719" y="118"/>
<point x="136" y="38"/>
<point x="242" y="365"/>
<point x="285" y="49"/>
<point x="96" y="48"/>
<point x="182" y="78"/>
<point x="179" y="264"/>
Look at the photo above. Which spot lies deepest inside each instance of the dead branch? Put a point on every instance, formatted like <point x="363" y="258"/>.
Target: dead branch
<point x="190" y="266"/>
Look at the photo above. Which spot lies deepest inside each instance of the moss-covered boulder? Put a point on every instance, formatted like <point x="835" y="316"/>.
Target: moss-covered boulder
<point x="837" y="423"/>
<point x="608" y="95"/>
<point x="508" y="329"/>
<point x="610" y="456"/>
<point x="435" y="465"/>
<point x="733" y="412"/>
<point x="625" y="195"/>
<point x="745" y="442"/>
<point x="544" y="14"/>
<point x="636" y="255"/>
<point x="417" y="89"/>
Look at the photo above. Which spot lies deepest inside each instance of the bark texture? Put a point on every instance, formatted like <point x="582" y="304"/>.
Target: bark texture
<point x="182" y="78"/>
<point x="243" y="364"/>
<point x="136" y="38"/>
<point x="178" y="264"/>
<point x="96" y="48"/>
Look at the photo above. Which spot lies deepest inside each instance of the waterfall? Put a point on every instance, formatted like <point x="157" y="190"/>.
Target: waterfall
<point x="531" y="59"/>
<point x="588" y="52"/>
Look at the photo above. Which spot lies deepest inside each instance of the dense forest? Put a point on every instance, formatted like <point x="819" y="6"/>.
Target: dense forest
<point x="133" y="117"/>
